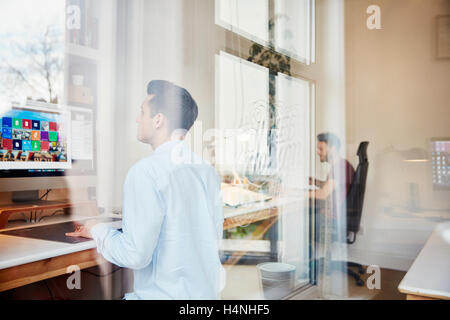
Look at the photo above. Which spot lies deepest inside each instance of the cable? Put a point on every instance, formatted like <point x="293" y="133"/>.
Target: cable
<point x="50" y="215"/>
<point x="45" y="194"/>
<point x="24" y="216"/>
<point x="49" y="291"/>
<point x="102" y="275"/>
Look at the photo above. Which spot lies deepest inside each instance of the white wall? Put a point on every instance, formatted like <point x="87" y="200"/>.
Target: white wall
<point x="397" y="98"/>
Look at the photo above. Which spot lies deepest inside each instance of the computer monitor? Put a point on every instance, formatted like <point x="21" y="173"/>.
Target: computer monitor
<point x="440" y="157"/>
<point x="46" y="146"/>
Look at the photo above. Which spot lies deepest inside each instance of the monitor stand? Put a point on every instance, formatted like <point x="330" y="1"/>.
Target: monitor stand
<point x="25" y="196"/>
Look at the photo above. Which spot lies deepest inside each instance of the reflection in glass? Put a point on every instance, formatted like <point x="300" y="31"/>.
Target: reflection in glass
<point x="31" y="50"/>
<point x="249" y="18"/>
<point x="241" y="115"/>
<point x="293" y="157"/>
<point x="285" y="25"/>
<point x="264" y="144"/>
<point x="294" y="29"/>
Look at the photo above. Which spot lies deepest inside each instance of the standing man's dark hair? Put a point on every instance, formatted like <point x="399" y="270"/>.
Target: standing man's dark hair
<point x="330" y="139"/>
<point x="174" y="102"/>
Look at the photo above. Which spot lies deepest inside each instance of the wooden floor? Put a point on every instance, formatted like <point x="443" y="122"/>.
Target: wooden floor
<point x="242" y="283"/>
<point x="390" y="279"/>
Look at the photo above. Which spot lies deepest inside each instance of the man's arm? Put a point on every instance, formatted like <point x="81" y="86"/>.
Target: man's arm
<point x="316" y="182"/>
<point x="142" y="219"/>
<point x="324" y="192"/>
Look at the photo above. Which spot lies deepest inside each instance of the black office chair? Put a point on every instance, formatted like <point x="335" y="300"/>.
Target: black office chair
<point x="355" y="202"/>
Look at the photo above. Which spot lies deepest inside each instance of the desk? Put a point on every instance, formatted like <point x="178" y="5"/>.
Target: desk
<point x="24" y="260"/>
<point x="267" y="212"/>
<point x="235" y="217"/>
<point x="429" y="276"/>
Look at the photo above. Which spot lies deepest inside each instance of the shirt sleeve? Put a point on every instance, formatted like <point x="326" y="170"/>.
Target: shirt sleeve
<point x="143" y="215"/>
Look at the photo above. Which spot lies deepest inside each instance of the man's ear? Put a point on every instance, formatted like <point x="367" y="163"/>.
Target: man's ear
<point x="158" y="121"/>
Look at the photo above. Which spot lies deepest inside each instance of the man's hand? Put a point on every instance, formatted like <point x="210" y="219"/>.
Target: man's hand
<point x="83" y="230"/>
<point x="315" y="182"/>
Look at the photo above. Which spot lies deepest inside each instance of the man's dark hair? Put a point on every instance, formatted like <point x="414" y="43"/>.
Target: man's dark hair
<point x="331" y="139"/>
<point x="174" y="102"/>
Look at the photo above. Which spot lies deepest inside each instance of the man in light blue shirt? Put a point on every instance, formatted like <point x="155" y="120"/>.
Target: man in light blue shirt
<point x="172" y="208"/>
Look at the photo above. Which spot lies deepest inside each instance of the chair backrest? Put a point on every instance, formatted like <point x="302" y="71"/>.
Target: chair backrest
<point x="355" y="196"/>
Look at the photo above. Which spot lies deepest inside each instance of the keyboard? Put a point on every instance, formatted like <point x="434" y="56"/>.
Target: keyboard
<point x="57" y="232"/>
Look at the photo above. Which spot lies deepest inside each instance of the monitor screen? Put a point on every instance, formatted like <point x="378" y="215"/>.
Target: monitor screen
<point x="46" y="141"/>
<point x="440" y="157"/>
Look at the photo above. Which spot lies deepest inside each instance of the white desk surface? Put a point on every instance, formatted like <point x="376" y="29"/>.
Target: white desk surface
<point x="429" y="275"/>
<point x="16" y="251"/>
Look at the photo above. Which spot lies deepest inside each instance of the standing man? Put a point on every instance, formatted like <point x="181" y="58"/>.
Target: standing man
<point x="172" y="208"/>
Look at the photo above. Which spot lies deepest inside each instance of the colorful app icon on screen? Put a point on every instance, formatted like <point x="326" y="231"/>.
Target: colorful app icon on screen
<point x="53" y="136"/>
<point x="45" y="126"/>
<point x="36" y="135"/>
<point x="17" y="144"/>
<point x="26" y="124"/>
<point x="26" y="145"/>
<point x="26" y="135"/>
<point x="7" y="122"/>
<point x="44" y="135"/>
<point x="7" y="144"/>
<point x="21" y="134"/>
<point x="53" y="126"/>
<point x="52" y="146"/>
<point x="17" y="123"/>
<point x="6" y="133"/>
<point x="35" y="124"/>
<point x="17" y="134"/>
<point x="44" y="145"/>
<point x="36" y="145"/>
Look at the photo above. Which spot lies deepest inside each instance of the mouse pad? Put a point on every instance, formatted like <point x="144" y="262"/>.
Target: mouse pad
<point x="54" y="232"/>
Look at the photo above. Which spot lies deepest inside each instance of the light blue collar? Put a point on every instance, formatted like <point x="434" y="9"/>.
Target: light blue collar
<point x="167" y="146"/>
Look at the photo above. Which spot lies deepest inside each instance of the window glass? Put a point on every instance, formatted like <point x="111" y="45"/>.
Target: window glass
<point x="294" y="29"/>
<point x="249" y="18"/>
<point x="31" y="50"/>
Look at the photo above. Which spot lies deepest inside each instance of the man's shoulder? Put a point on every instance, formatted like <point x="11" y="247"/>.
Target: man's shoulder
<point x="145" y="166"/>
<point x="341" y="165"/>
<point x="343" y="162"/>
<point x="161" y="165"/>
<point x="348" y="165"/>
